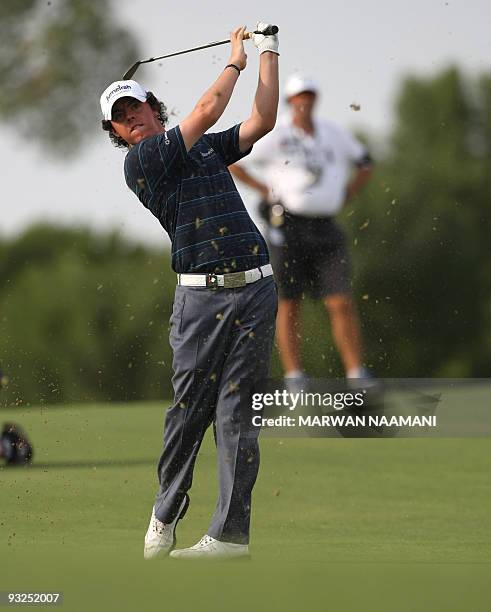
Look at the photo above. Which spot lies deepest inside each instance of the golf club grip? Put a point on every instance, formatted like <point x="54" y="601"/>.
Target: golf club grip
<point x="269" y="31"/>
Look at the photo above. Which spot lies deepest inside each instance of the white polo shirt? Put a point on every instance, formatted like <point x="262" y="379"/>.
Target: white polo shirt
<point x="307" y="173"/>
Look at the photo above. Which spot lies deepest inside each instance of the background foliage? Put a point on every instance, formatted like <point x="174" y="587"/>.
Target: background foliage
<point x="50" y="58"/>
<point x="83" y="317"/>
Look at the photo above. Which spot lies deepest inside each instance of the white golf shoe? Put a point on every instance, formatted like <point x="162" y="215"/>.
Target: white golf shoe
<point x="160" y="538"/>
<point x="209" y="548"/>
<point x="296" y="384"/>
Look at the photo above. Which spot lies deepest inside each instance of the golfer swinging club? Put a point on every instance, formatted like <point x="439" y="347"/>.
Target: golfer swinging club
<point x="225" y="303"/>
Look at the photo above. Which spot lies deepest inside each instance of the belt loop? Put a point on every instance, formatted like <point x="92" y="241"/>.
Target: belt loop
<point x="261" y="271"/>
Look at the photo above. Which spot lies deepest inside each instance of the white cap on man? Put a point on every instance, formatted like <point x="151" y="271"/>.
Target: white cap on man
<point x="298" y="83"/>
<point x="117" y="90"/>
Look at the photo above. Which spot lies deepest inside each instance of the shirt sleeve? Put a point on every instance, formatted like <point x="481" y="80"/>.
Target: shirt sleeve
<point x="226" y="145"/>
<point x="153" y="160"/>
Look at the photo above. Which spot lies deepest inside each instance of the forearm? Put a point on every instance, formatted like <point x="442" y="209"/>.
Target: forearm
<point x="213" y="102"/>
<point x="242" y="175"/>
<point x="360" y="179"/>
<point x="265" y="107"/>
<point x="215" y="99"/>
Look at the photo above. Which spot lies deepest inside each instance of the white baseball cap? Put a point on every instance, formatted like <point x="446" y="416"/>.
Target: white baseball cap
<point x="299" y="83"/>
<point x="120" y="89"/>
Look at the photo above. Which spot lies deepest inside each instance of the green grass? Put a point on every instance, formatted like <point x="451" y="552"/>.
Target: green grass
<point x="391" y="524"/>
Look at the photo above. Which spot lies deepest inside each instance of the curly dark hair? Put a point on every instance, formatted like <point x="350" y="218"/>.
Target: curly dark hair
<point x="155" y="104"/>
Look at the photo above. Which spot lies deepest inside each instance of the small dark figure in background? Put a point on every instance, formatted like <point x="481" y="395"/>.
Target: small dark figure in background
<point x="15" y="447"/>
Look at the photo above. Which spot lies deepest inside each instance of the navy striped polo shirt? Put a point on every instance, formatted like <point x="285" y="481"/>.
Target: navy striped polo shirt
<point x="195" y="199"/>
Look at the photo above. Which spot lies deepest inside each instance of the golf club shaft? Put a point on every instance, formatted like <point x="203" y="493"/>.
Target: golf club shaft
<point x="213" y="44"/>
<point x="131" y="71"/>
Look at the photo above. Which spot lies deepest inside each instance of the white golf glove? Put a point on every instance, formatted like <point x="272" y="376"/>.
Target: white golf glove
<point x="265" y="43"/>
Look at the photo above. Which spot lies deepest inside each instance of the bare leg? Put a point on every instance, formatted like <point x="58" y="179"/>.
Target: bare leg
<point x="345" y="326"/>
<point x="288" y="330"/>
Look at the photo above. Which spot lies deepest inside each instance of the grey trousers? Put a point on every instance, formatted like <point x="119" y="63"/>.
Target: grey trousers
<point x="222" y="341"/>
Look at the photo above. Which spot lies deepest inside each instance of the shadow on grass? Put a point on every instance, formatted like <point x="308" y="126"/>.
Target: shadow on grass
<point x="80" y="464"/>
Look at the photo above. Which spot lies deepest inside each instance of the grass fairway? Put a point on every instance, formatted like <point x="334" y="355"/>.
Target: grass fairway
<point x="391" y="524"/>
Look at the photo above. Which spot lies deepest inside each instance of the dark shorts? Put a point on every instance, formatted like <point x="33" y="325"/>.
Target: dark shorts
<point x="313" y="259"/>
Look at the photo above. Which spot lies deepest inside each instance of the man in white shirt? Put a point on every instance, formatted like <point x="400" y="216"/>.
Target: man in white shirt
<point x="307" y="176"/>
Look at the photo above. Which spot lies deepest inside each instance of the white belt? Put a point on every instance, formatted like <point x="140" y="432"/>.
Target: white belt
<point x="228" y="281"/>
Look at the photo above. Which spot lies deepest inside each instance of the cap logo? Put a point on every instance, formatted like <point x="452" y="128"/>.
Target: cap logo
<point x="116" y="89"/>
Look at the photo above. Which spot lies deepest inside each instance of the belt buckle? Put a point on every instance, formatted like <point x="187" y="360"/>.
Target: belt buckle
<point x="234" y="280"/>
<point x="211" y="281"/>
